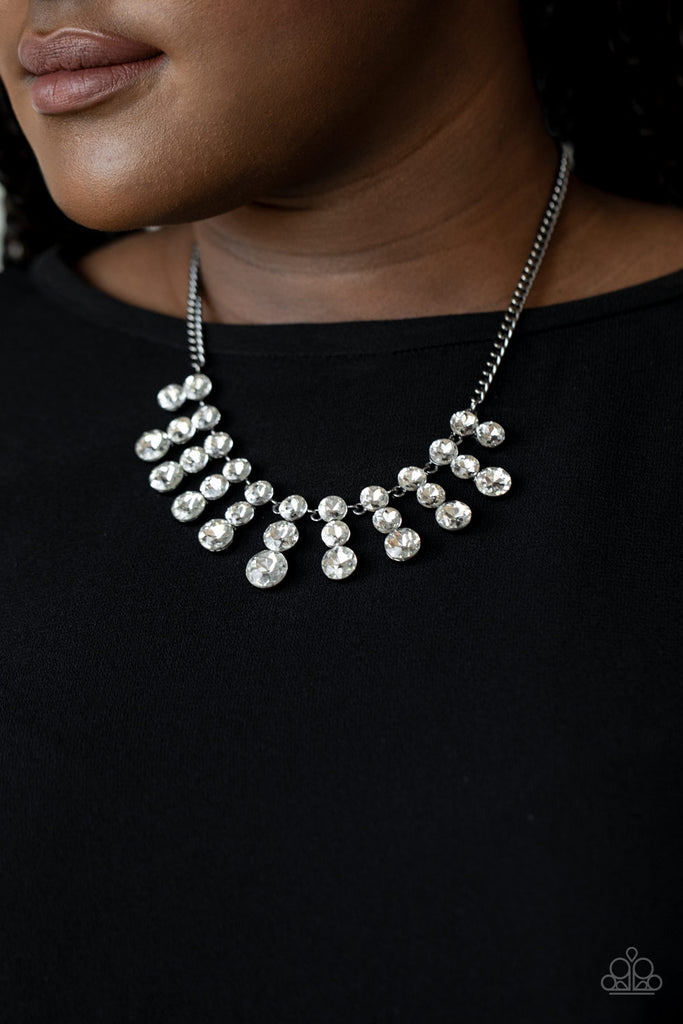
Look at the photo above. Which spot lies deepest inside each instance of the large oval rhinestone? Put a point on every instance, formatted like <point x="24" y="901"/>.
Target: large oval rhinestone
<point x="181" y="429"/>
<point x="465" y="466"/>
<point x="216" y="535"/>
<point x="194" y="459"/>
<point x="464" y="422"/>
<point x="237" y="470"/>
<point x="218" y="445"/>
<point x="266" y="569"/>
<point x="411" y="477"/>
<point x="335" y="532"/>
<point x="294" y="506"/>
<point x="373" y="497"/>
<point x="386" y="519"/>
<point x="206" y="417"/>
<point x="214" y="486"/>
<point x="188" y="505"/>
<point x="402" y="544"/>
<point x="166" y="477"/>
<point x="490" y="434"/>
<point x="442" y="451"/>
<point x="453" y="515"/>
<point x="171" y="397"/>
<point x="431" y="495"/>
<point x="280" y="535"/>
<point x="339" y="562"/>
<point x="493" y="481"/>
<point x="332" y="507"/>
<point x="258" y="493"/>
<point x="240" y="513"/>
<point x="152" y="445"/>
<point x="197" y="386"/>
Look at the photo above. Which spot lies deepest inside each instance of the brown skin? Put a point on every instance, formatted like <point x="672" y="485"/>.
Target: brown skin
<point x="352" y="159"/>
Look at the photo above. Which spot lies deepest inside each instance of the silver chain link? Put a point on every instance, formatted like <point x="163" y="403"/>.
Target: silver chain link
<point x="195" y="329"/>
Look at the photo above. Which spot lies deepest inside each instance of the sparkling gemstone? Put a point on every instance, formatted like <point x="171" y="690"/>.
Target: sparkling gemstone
<point x="374" y="497"/>
<point x="464" y="422"/>
<point x="442" y="451"/>
<point x="280" y="535"/>
<point x="194" y="459"/>
<point x="411" y="477"/>
<point x="493" y="481"/>
<point x="402" y="544"/>
<point x="431" y="495"/>
<point x="266" y="569"/>
<point x="240" y="513"/>
<point x="386" y="519"/>
<point x="171" y="397"/>
<point x="197" y="386"/>
<point x="166" y="476"/>
<point x="490" y="434"/>
<point x="214" y="486"/>
<point x="332" y="507"/>
<point x="258" y="493"/>
<point x="465" y="466"/>
<point x="335" y="532"/>
<point x="181" y="429"/>
<point x="188" y="506"/>
<point x="237" y="470"/>
<point x="454" y="515"/>
<point x="293" y="507"/>
<point x="218" y="445"/>
<point x="152" y="445"/>
<point x="216" y="535"/>
<point x="339" y="562"/>
<point x="206" y="417"/>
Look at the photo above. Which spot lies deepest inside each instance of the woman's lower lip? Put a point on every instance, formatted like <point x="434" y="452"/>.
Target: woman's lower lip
<point x="63" y="91"/>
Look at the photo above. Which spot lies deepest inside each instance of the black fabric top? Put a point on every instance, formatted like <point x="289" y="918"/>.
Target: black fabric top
<point x="445" y="790"/>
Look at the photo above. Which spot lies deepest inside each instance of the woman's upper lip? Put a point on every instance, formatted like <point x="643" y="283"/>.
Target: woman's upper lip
<point x="70" y="49"/>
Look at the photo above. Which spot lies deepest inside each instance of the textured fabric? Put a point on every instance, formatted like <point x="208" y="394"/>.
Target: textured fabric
<point x="446" y="790"/>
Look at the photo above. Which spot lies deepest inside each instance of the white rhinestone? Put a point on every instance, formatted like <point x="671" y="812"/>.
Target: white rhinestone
<point x="171" y="397"/>
<point x="237" y="470"/>
<point x="454" y="515"/>
<point x="216" y="535"/>
<point x="332" y="507"/>
<point x="206" y="417"/>
<point x="152" y="445"/>
<point x="402" y="544"/>
<point x="493" y="481"/>
<point x="339" y="562"/>
<point x="335" y="532"/>
<point x="188" y="506"/>
<point x="464" y="422"/>
<point x="431" y="495"/>
<point x="197" y="386"/>
<point x="240" y="513"/>
<point x="442" y="451"/>
<point x="218" y="445"/>
<point x="374" y="497"/>
<point x="490" y="434"/>
<point x="258" y="493"/>
<point x="166" y="477"/>
<point x="411" y="477"/>
<point x="280" y="536"/>
<point x="465" y="466"/>
<point x="214" y="486"/>
<point x="266" y="569"/>
<point x="194" y="459"/>
<point x="386" y="519"/>
<point x="293" y="507"/>
<point x="181" y="429"/>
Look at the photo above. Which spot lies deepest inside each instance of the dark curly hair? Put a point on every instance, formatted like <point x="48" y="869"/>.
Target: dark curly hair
<point x="609" y="76"/>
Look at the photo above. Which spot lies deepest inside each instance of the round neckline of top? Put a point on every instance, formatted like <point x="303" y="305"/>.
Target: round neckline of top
<point x="52" y="273"/>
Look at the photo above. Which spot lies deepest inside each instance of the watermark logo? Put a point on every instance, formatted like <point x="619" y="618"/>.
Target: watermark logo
<point x="631" y="975"/>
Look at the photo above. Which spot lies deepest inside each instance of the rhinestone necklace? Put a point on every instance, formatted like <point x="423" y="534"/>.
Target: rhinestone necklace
<point x="269" y="567"/>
